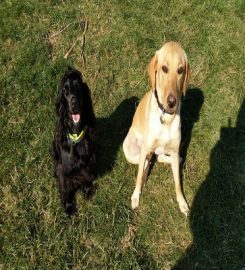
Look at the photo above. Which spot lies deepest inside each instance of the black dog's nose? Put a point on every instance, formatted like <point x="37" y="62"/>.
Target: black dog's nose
<point x="171" y="100"/>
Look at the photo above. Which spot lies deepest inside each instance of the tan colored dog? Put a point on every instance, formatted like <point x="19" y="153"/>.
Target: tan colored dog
<point x="156" y="126"/>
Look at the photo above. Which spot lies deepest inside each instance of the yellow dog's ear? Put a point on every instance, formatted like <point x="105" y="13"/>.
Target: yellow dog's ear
<point x="187" y="76"/>
<point x="152" y="67"/>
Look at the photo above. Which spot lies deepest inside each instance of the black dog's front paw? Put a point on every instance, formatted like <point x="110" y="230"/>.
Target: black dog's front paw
<point x="69" y="203"/>
<point x="89" y="190"/>
<point x="70" y="209"/>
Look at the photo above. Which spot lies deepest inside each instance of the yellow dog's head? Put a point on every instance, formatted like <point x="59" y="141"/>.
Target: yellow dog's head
<point x="169" y="74"/>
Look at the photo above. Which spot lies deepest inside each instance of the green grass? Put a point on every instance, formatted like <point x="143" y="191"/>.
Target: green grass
<point x="121" y="38"/>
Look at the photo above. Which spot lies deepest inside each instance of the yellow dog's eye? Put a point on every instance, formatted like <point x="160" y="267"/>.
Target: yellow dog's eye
<point x="165" y="69"/>
<point x="180" y="70"/>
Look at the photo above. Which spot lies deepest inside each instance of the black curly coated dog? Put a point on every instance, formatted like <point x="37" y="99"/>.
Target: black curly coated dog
<point x="73" y="145"/>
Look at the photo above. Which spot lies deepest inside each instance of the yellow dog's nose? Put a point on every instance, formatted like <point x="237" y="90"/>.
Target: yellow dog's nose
<point x="171" y="100"/>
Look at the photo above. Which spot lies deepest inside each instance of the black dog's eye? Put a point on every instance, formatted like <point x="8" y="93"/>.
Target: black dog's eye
<point x="180" y="70"/>
<point x="165" y="69"/>
<point x="66" y="90"/>
<point x="76" y="84"/>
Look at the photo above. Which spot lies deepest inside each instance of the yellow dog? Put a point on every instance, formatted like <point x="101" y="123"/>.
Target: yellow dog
<point x="156" y="126"/>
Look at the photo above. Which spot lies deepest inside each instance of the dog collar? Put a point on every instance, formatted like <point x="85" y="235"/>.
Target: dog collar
<point x="162" y="118"/>
<point x="74" y="138"/>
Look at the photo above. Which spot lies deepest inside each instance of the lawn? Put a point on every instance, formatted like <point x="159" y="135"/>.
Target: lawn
<point x="113" y="54"/>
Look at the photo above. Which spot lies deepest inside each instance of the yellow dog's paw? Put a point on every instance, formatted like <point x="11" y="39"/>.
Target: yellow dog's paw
<point x="135" y="200"/>
<point x="184" y="208"/>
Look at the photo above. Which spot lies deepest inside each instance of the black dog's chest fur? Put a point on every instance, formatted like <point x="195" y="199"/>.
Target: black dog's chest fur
<point x="75" y="157"/>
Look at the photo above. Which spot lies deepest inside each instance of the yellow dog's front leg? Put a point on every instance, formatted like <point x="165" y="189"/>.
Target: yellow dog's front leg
<point x="142" y="174"/>
<point x="179" y="194"/>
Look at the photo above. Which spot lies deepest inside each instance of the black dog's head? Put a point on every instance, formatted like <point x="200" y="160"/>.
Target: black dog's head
<point x="72" y="93"/>
<point x="74" y="103"/>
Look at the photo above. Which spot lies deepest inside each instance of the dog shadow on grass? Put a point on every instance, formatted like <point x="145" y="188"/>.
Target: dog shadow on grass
<point x="190" y="109"/>
<point x="111" y="132"/>
<point x="217" y="212"/>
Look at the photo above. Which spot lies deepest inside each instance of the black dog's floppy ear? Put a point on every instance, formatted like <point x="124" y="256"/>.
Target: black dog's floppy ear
<point x="60" y="101"/>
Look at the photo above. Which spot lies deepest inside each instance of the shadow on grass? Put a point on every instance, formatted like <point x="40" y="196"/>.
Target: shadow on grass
<point x="190" y="109"/>
<point x="217" y="212"/>
<point x="111" y="133"/>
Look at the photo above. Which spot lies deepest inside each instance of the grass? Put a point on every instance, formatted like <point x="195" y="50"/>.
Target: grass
<point x="122" y="36"/>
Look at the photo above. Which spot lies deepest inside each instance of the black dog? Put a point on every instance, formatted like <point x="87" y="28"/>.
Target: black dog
<point x="73" y="145"/>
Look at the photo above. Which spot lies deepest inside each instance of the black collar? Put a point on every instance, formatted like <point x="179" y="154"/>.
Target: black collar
<point x="158" y="102"/>
<point x="162" y="119"/>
